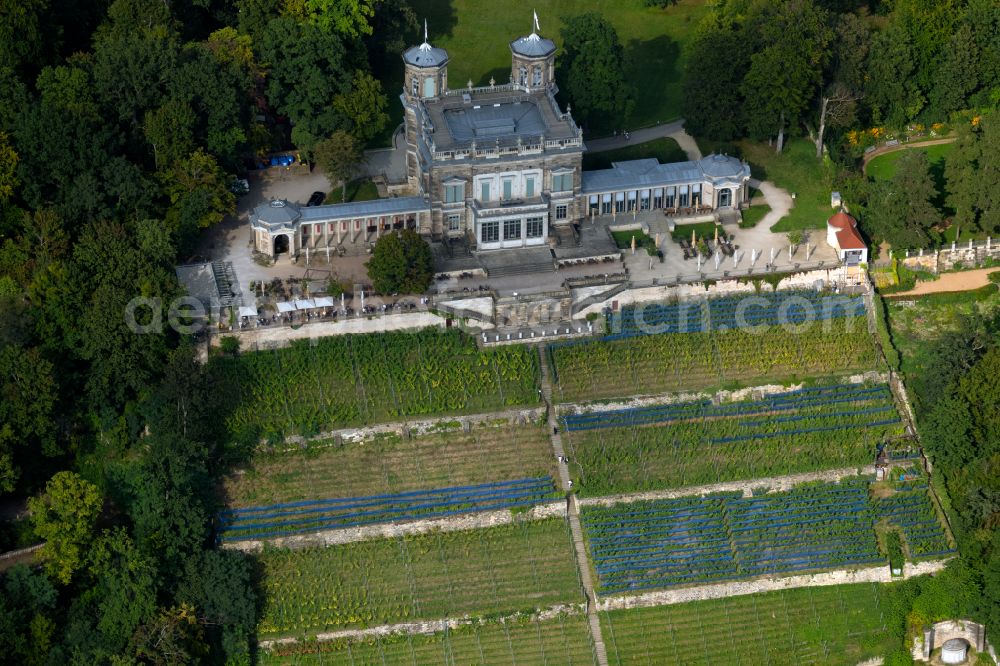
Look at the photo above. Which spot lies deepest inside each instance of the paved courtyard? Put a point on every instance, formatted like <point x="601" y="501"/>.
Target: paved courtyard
<point x="232" y="240"/>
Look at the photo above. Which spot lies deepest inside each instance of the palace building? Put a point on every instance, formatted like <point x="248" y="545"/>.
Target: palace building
<point x="498" y="167"/>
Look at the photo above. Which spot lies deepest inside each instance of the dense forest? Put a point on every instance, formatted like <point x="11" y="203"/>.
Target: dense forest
<point x="121" y="126"/>
<point x="849" y="74"/>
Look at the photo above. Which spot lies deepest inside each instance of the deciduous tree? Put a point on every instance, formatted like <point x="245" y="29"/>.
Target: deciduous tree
<point x="786" y="72"/>
<point x="170" y="132"/>
<point x="28" y="396"/>
<point x="592" y="70"/>
<point x="401" y="263"/>
<point x="364" y="106"/>
<point x="8" y="168"/>
<point x="711" y="101"/>
<point x="339" y="157"/>
<point x="64" y="516"/>
<point x="346" y="17"/>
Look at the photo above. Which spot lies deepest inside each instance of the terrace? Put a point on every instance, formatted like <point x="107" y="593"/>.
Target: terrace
<point x="666" y="543"/>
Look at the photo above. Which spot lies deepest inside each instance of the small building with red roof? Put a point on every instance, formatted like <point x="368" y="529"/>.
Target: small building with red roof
<point x="842" y="234"/>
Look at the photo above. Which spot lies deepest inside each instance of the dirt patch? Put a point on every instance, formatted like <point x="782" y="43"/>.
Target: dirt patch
<point x="881" y="490"/>
<point x="948" y="282"/>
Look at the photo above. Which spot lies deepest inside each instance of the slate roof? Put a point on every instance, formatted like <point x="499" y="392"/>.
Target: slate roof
<point x="283" y="213"/>
<point x="646" y="173"/>
<point x="425" y="55"/>
<point x="487" y="122"/>
<point x="489" y="115"/>
<point x="276" y="213"/>
<point x="374" y="208"/>
<point x="533" y="46"/>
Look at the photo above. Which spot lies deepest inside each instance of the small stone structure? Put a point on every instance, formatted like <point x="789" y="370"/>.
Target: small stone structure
<point x="954" y="651"/>
<point x="950" y="635"/>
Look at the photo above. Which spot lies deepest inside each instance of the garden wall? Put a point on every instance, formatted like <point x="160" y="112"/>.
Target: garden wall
<point x="959" y="255"/>
<point x="699" y="290"/>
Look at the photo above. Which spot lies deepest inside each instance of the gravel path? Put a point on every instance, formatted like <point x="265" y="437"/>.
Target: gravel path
<point x="883" y="150"/>
<point x="948" y="282"/>
<point x="777" y="198"/>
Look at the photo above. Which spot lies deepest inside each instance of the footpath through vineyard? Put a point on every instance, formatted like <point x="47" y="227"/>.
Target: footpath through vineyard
<point x="573" y="513"/>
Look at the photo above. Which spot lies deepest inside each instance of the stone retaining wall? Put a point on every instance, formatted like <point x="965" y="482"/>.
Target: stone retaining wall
<point x="879" y="574"/>
<point x="698" y="290"/>
<point x="774" y="484"/>
<point x="335" y="537"/>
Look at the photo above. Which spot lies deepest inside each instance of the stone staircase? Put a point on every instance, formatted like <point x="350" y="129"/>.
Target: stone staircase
<point x="566" y="235"/>
<point x="503" y="263"/>
<point x="573" y="514"/>
<point x="230" y="293"/>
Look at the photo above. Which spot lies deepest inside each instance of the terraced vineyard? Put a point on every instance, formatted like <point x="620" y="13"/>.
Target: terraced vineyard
<point x="840" y="625"/>
<point x="665" y="543"/>
<point x="495" y="571"/>
<point x="503" y="576"/>
<point x="730" y="312"/>
<point x="690" y="443"/>
<point x="356" y="379"/>
<point x="691" y="361"/>
<point x="909" y="508"/>
<point x="564" y="639"/>
<point x="487" y="453"/>
<point x="263" y="522"/>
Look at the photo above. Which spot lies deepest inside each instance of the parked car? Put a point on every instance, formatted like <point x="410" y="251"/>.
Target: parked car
<point x="317" y="198"/>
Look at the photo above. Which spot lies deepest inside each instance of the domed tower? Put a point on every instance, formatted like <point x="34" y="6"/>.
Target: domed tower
<point x="533" y="60"/>
<point x="426" y="73"/>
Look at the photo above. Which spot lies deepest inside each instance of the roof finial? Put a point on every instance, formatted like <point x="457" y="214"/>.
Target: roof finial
<point x="426" y="46"/>
<point x="537" y="29"/>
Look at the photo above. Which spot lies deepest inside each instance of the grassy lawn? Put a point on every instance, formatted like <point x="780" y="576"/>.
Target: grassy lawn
<point x="834" y="626"/>
<point x="664" y="149"/>
<point x="623" y="239"/>
<point x="883" y="167"/>
<point x="357" y="190"/>
<point x="391" y="464"/>
<point x="753" y="215"/>
<point x="477" y="34"/>
<point x="564" y="639"/>
<point x="703" y="230"/>
<point x="798" y="171"/>
<point x="494" y="571"/>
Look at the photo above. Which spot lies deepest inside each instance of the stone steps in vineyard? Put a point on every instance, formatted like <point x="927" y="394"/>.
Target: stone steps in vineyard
<point x="573" y="514"/>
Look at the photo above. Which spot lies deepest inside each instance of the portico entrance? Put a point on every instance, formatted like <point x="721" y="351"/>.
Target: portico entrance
<point x="280" y="244"/>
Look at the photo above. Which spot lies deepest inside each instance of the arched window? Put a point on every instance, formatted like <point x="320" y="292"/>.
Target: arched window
<point x="536" y="79"/>
<point x="524" y="76"/>
<point x="415" y="87"/>
<point x="429" y="87"/>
